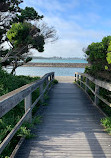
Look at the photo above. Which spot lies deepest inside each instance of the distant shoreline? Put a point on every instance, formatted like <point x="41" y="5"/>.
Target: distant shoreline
<point x="76" y="65"/>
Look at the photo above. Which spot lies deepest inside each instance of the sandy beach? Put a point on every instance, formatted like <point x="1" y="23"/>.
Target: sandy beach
<point x="65" y="79"/>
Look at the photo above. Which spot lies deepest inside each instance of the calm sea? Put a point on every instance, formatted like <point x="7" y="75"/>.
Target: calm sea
<point x="58" y="61"/>
<point x="59" y="71"/>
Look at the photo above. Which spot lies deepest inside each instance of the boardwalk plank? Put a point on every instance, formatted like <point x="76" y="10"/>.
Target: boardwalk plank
<point x="70" y="128"/>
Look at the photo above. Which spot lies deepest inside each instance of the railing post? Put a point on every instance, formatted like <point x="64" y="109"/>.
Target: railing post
<point x="50" y="77"/>
<point x="41" y="90"/>
<point x="75" y="79"/>
<point x="87" y="83"/>
<point x="46" y="81"/>
<point x="81" y="80"/>
<point x="76" y="76"/>
<point x="96" y="100"/>
<point x="28" y="103"/>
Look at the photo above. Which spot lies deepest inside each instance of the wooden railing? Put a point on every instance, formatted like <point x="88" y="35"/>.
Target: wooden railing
<point x="83" y="80"/>
<point x="10" y="100"/>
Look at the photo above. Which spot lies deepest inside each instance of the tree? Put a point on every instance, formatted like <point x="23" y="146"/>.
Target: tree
<point x="10" y="5"/>
<point x="28" y="14"/>
<point x="99" y="57"/>
<point x="8" y="8"/>
<point x="49" y="33"/>
<point x="108" y="58"/>
<point x="23" y="36"/>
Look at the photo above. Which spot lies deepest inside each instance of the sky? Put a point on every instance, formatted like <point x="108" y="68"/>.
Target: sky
<point x="78" y="23"/>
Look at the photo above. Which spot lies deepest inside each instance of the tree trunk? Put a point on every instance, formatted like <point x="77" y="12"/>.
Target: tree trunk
<point x="14" y="66"/>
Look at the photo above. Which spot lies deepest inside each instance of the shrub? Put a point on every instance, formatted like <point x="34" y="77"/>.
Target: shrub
<point x="9" y="83"/>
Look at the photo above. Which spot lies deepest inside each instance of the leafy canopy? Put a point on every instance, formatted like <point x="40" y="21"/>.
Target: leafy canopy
<point x="27" y="14"/>
<point x="24" y="34"/>
<point x="19" y="33"/>
<point x="99" y="57"/>
<point x="10" y="5"/>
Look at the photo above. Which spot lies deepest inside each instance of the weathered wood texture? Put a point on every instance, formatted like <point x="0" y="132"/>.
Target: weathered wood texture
<point x="70" y="128"/>
<point x="10" y="100"/>
<point x="98" y="84"/>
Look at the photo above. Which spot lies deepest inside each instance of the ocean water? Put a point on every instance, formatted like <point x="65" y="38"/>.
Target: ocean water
<point x="58" y="61"/>
<point x="40" y="71"/>
<point x="59" y="71"/>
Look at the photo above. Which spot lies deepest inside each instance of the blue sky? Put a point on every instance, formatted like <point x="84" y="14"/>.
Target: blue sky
<point x="78" y="23"/>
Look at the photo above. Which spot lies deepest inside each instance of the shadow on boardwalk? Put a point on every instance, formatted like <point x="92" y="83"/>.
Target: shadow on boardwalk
<point x="70" y="128"/>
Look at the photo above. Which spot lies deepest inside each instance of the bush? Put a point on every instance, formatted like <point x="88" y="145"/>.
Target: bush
<point x="106" y="122"/>
<point x="99" y="58"/>
<point x="9" y="83"/>
<point x="55" y="81"/>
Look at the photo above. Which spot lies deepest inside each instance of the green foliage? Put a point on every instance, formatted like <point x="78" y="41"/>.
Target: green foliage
<point x="106" y="67"/>
<point x="55" y="81"/>
<point x="46" y="96"/>
<point x="37" y="120"/>
<point x="108" y="58"/>
<point x="19" y="33"/>
<point x="8" y="83"/>
<point x="106" y="122"/>
<point x="28" y="59"/>
<point x="38" y="43"/>
<point x="24" y="132"/>
<point x="96" y="53"/>
<point x="28" y="14"/>
<point x="22" y="34"/>
<point x="44" y="104"/>
<point x="10" y="5"/>
<point x="109" y="47"/>
<point x="106" y="41"/>
<point x="99" y="58"/>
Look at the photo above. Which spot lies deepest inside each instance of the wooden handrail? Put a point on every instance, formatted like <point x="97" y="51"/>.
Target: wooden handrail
<point x="10" y="100"/>
<point x="98" y="84"/>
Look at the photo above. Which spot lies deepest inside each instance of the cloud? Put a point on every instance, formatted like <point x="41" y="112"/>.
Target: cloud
<point x="62" y="48"/>
<point x="70" y="30"/>
<point x="77" y="22"/>
<point x="49" y="5"/>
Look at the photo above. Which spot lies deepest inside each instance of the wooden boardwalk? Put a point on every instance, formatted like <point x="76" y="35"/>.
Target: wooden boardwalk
<point x="70" y="128"/>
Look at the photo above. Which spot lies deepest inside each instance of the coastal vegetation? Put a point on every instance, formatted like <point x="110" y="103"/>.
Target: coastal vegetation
<point x="106" y="122"/>
<point x="17" y="30"/>
<point x="99" y="57"/>
<point x="20" y="35"/>
<point x="8" y="83"/>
